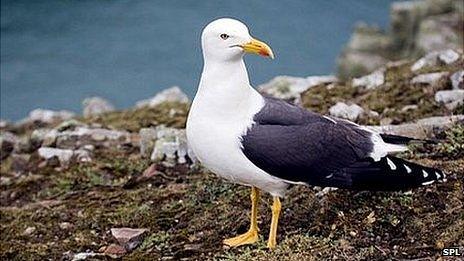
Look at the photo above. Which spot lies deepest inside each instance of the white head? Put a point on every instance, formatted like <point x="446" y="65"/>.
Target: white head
<point x="227" y="39"/>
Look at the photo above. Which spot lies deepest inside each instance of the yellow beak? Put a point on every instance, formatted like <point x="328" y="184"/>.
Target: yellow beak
<point x="258" y="47"/>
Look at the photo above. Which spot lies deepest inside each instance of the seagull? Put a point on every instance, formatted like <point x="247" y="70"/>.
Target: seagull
<point x="269" y="144"/>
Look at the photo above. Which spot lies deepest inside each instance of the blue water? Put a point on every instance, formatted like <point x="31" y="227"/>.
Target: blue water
<point x="56" y="53"/>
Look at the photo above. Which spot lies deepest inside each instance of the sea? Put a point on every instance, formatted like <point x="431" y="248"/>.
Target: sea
<point x="56" y="53"/>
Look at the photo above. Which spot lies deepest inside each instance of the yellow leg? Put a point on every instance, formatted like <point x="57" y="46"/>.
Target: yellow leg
<point x="276" y="206"/>
<point x="251" y="236"/>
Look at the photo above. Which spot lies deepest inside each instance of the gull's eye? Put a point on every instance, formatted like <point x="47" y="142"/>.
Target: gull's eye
<point x="224" y="36"/>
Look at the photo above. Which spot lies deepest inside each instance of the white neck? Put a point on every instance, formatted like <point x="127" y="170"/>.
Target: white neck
<point x="224" y="86"/>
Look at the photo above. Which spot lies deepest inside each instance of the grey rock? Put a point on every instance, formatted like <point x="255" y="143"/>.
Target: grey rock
<point x="4" y="124"/>
<point x="429" y="78"/>
<point x="457" y="80"/>
<point x="450" y="98"/>
<point x="147" y="140"/>
<point x="82" y="155"/>
<point x="85" y="255"/>
<point x="438" y="33"/>
<point x="170" y="146"/>
<point x="354" y="63"/>
<point x="422" y="129"/>
<point x="48" y="116"/>
<point x="94" y="136"/>
<point x="8" y="142"/>
<point x="64" y="156"/>
<point x="96" y="106"/>
<point x="409" y="108"/>
<point x="371" y="81"/>
<point x="44" y="137"/>
<point x="342" y="110"/>
<point x="173" y="94"/>
<point x="290" y="88"/>
<point x="130" y="238"/>
<point x="29" y="231"/>
<point x="436" y="58"/>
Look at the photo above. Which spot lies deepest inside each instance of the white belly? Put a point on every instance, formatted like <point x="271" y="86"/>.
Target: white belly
<point x="214" y="138"/>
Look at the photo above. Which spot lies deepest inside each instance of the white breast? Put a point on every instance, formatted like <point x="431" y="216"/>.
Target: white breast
<point x="214" y="129"/>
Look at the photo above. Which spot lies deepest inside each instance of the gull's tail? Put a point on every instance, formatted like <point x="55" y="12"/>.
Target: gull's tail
<point x="387" y="174"/>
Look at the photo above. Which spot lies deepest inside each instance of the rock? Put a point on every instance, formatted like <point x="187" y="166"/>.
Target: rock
<point x="44" y="137"/>
<point x="29" y="231"/>
<point x="342" y="110"/>
<point x="290" y="88"/>
<point x="409" y="108"/>
<point x="370" y="81"/>
<point x="7" y="143"/>
<point x="448" y="56"/>
<point x="66" y="225"/>
<point x="422" y="129"/>
<point x="170" y="146"/>
<point x="82" y="136"/>
<point x="64" y="156"/>
<point x="84" y="256"/>
<point x="48" y="116"/>
<point x="96" y="106"/>
<point x="4" y="124"/>
<point x="457" y="80"/>
<point x="130" y="238"/>
<point x="429" y="78"/>
<point x="147" y="140"/>
<point x="436" y="58"/>
<point x="451" y="98"/>
<point x="173" y="94"/>
<point x="115" y="250"/>
<point x="82" y="155"/>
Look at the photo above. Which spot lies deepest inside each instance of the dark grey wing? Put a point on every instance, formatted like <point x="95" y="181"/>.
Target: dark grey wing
<point x="296" y="145"/>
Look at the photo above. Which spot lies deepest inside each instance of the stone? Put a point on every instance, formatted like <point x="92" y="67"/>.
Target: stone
<point x="44" y="137"/>
<point x="7" y="143"/>
<point x="450" y="98"/>
<point x="115" y="250"/>
<point x="173" y="94"/>
<point x="29" y="231"/>
<point x="147" y="140"/>
<point x="170" y="146"/>
<point x="371" y="81"/>
<point x="410" y="107"/>
<point x="93" y="106"/>
<point x="130" y="238"/>
<point x="438" y="33"/>
<point x="66" y="225"/>
<point x="457" y="80"/>
<point x="82" y="155"/>
<point x="4" y="124"/>
<point x="290" y="88"/>
<point x="342" y="110"/>
<point x="448" y="56"/>
<point x="82" y="136"/>
<point x="84" y="256"/>
<point x="64" y="155"/>
<point x="435" y="58"/>
<point x="428" y="78"/>
<point x="48" y="116"/>
<point x="423" y="128"/>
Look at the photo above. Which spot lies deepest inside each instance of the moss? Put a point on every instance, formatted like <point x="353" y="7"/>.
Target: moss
<point x="172" y="114"/>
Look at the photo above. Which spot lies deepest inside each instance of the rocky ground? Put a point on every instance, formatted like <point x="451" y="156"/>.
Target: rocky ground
<point x="124" y="184"/>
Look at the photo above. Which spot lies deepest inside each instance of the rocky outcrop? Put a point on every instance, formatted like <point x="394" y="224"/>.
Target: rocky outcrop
<point x="416" y="27"/>
<point x="342" y="110"/>
<point x="96" y="106"/>
<point x="450" y="98"/>
<point x="289" y="88"/>
<point x="173" y="94"/>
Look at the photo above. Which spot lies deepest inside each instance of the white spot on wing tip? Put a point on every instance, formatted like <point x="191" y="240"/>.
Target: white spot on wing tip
<point x="428" y="182"/>
<point x="425" y="173"/>
<point x="437" y="174"/>
<point x="391" y="164"/>
<point x="408" y="169"/>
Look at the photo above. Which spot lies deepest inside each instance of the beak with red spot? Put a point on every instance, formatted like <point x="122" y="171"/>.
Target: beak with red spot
<point x="258" y="47"/>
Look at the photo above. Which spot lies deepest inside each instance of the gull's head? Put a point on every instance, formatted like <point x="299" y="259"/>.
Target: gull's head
<point x="227" y="39"/>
